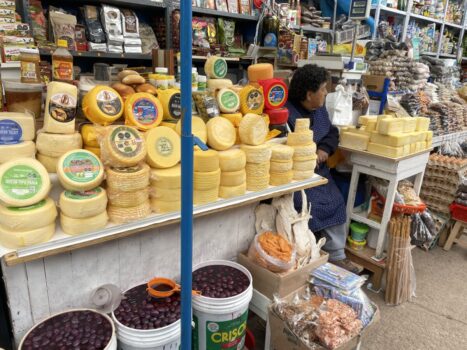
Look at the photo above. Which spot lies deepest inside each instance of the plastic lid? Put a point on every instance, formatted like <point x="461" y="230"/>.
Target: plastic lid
<point x="30" y="50"/>
<point x="358" y="227"/>
<point x="160" y="287"/>
<point x="62" y="43"/>
<point x="194" y="70"/>
<point x="16" y="85"/>
<point x="162" y="70"/>
<point x="202" y="79"/>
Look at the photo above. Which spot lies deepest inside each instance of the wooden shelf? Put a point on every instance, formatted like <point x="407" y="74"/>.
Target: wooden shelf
<point x="62" y="243"/>
<point x="98" y="54"/>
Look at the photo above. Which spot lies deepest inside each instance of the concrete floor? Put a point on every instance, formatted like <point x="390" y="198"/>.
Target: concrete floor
<point x="437" y="317"/>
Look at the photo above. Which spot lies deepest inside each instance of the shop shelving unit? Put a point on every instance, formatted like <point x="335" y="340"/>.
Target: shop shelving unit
<point x="408" y="15"/>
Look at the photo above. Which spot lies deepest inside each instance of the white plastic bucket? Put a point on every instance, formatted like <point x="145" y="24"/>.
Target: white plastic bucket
<point x="220" y="321"/>
<point x="164" y="338"/>
<point x="112" y="345"/>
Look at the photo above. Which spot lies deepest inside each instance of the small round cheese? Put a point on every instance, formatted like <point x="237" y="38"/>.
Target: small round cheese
<point x="161" y="207"/>
<point x="164" y="148"/>
<point x="198" y="128"/>
<point x="302" y="175"/>
<point x="232" y="160"/>
<point x="80" y="170"/>
<point x="128" y="179"/>
<point x="102" y="105"/>
<point x="257" y="183"/>
<point x="169" y="178"/>
<point x="73" y="226"/>
<point x="232" y="191"/>
<point x="257" y="154"/>
<point x="205" y="196"/>
<point x="28" y="218"/>
<point x="83" y="204"/>
<point x="205" y="161"/>
<point x="221" y="134"/>
<point x="16" y="239"/>
<point x="204" y="181"/>
<point x="143" y="110"/>
<point x="228" y="101"/>
<point x="283" y="178"/>
<point x="253" y="130"/>
<point x="50" y="163"/>
<point x="233" y="178"/>
<point x="55" y="145"/>
<point x="166" y="194"/>
<point x="123" y="215"/>
<point x="123" y="146"/>
<point x="26" y="149"/>
<point x="215" y="67"/>
<point x="127" y="199"/>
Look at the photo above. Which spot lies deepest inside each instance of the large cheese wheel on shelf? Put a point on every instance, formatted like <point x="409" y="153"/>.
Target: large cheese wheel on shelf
<point x="300" y="138"/>
<point x="60" y="108"/>
<point x="161" y="207"/>
<point x="80" y="170"/>
<point x="232" y="191"/>
<point x="257" y="183"/>
<point x="23" y="182"/>
<point x="233" y="178"/>
<point x="73" y="226"/>
<point x="257" y="154"/>
<point x="83" y="204"/>
<point x="128" y="179"/>
<point x="204" y="181"/>
<point x="205" y="196"/>
<point x="169" y="178"/>
<point x="302" y="175"/>
<point x="55" y="145"/>
<point x="123" y="146"/>
<point x="301" y="152"/>
<point x="217" y="84"/>
<point x="257" y="169"/>
<point x="221" y="134"/>
<point x="281" y="153"/>
<point x="16" y="239"/>
<point x="164" y="148"/>
<point x="143" y="110"/>
<point x="260" y="71"/>
<point x="306" y="165"/>
<point x="228" y="100"/>
<point x="171" y="103"/>
<point x="281" y="167"/>
<point x="25" y="149"/>
<point x="253" y="130"/>
<point x="50" y="163"/>
<point x="232" y="160"/>
<point x="205" y="161"/>
<point x="30" y="217"/>
<point x="102" y="105"/>
<point x="251" y="100"/>
<point x="89" y="134"/>
<point x="283" y="178"/>
<point x="122" y="215"/>
<point x="275" y="93"/>
<point x="127" y="199"/>
<point x="234" y="118"/>
<point x="215" y="67"/>
<point x="16" y="127"/>
<point x="166" y="194"/>
<point x="198" y="128"/>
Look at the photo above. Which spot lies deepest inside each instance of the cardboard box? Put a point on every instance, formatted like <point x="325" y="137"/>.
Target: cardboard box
<point x="269" y="283"/>
<point x="283" y="338"/>
<point x="373" y="82"/>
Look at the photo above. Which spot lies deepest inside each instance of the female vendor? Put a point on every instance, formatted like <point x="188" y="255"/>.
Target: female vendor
<point x="307" y="96"/>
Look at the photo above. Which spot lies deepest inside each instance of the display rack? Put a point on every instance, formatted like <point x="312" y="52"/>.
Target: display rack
<point x="457" y="136"/>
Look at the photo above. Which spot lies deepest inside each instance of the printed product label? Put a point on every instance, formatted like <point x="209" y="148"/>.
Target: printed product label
<point x="10" y="132"/>
<point x="80" y="195"/>
<point x="175" y="106"/>
<point x="276" y="95"/>
<point x="229" y="99"/>
<point x="164" y="146"/>
<point x="145" y="111"/>
<point x="29" y="207"/>
<point x="126" y="141"/>
<point x="21" y="182"/>
<point x="254" y="99"/>
<point x="28" y="70"/>
<point x="108" y="102"/>
<point x="62" y="107"/>
<point x="81" y="167"/>
<point x="62" y="70"/>
<point x="220" y="68"/>
<point x="221" y="335"/>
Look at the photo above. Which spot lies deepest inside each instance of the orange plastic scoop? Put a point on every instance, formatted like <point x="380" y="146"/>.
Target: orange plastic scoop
<point x="160" y="287"/>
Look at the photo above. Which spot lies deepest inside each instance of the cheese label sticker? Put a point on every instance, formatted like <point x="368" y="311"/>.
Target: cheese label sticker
<point x="229" y="99"/>
<point x="126" y="141"/>
<point x="144" y="111"/>
<point x="254" y="99"/>
<point x="10" y="132"/>
<point x="164" y="146"/>
<point x="220" y="68"/>
<point x="21" y="182"/>
<point x="80" y="195"/>
<point x="81" y="167"/>
<point x="29" y="207"/>
<point x="276" y="95"/>
<point x="62" y="107"/>
<point x="175" y="106"/>
<point x="108" y="102"/>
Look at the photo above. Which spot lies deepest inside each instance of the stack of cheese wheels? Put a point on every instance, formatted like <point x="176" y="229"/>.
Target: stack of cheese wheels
<point x="124" y="151"/>
<point x="235" y="119"/>
<point x="166" y="189"/>
<point x="281" y="165"/>
<point x="83" y="203"/>
<point x="16" y="136"/>
<point x="27" y="215"/>
<point x="90" y="138"/>
<point x="253" y="131"/>
<point x="58" y="135"/>
<point x="164" y="152"/>
<point x="206" y="177"/>
<point x="304" y="157"/>
<point x="233" y="174"/>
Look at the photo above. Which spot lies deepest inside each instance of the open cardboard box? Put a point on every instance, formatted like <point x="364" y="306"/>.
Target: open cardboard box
<point x="373" y="82"/>
<point x="269" y="283"/>
<point x="283" y="338"/>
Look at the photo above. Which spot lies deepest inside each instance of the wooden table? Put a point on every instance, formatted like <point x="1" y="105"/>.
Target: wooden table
<point x="364" y="258"/>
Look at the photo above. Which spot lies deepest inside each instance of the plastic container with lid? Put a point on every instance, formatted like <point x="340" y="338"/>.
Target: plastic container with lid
<point x="358" y="231"/>
<point x="202" y="82"/>
<point x="162" y="70"/>
<point x="30" y="69"/>
<point x="171" y="81"/>
<point x="356" y="245"/>
<point x="21" y="97"/>
<point x="62" y="62"/>
<point x="194" y="79"/>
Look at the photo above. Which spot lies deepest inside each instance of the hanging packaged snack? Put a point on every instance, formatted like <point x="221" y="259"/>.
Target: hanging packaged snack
<point x="122" y="146"/>
<point x="200" y="32"/>
<point x="63" y="26"/>
<point x="226" y="29"/>
<point x="38" y="21"/>
<point x="94" y="31"/>
<point x="212" y="30"/>
<point x="130" y="24"/>
<point x="80" y="38"/>
<point x="112" y="22"/>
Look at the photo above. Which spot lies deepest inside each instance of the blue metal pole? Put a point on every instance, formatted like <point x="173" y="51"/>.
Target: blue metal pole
<point x="187" y="171"/>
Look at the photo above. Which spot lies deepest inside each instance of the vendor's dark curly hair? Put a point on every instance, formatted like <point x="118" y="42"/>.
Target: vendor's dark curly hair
<point x="307" y="78"/>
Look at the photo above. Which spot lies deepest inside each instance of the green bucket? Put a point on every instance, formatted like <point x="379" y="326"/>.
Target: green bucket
<point x="358" y="231"/>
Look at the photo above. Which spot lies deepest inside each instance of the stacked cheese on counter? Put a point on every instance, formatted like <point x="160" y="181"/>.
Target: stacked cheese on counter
<point x="388" y="136"/>
<point x="58" y="135"/>
<point x="166" y="189"/>
<point x="206" y="177"/>
<point x="90" y="139"/>
<point x="17" y="132"/>
<point x="281" y="172"/>
<point x="27" y="215"/>
<point x="233" y="174"/>
<point x="83" y="203"/>
<point x="304" y="156"/>
<point x="253" y="132"/>
<point x="124" y="151"/>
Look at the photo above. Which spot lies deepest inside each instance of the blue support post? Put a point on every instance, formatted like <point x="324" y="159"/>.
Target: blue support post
<point x="187" y="173"/>
<point x="383" y="96"/>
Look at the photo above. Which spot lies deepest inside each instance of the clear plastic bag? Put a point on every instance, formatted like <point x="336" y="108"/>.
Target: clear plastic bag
<point x="262" y="258"/>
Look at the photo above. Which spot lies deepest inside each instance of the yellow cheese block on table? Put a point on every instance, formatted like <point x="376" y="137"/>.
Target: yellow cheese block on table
<point x="429" y="143"/>
<point x="394" y="140"/>
<point x="383" y="150"/>
<point x="428" y="135"/>
<point x="371" y="126"/>
<point x="361" y="131"/>
<point x="365" y="119"/>
<point x="410" y="124"/>
<point x="389" y="126"/>
<point x="354" y="140"/>
<point x="420" y="135"/>
<point x="413" y="147"/>
<point x="406" y="149"/>
<point x="381" y="117"/>
<point x="423" y="124"/>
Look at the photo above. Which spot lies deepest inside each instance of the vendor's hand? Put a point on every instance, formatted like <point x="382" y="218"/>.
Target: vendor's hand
<point x="322" y="156"/>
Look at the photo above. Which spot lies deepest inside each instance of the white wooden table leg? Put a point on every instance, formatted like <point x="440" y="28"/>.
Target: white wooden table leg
<point x="418" y="182"/>
<point x="352" y="193"/>
<point x="392" y="188"/>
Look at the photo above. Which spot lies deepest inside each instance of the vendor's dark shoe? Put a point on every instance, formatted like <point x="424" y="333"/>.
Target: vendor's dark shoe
<point x="348" y="265"/>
